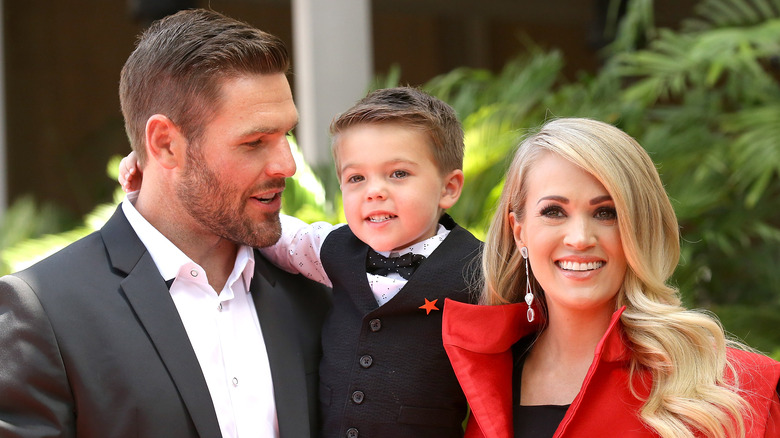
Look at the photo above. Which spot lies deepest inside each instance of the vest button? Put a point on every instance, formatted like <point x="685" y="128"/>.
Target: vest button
<point x="358" y="397"/>
<point x="375" y="325"/>
<point x="366" y="361"/>
<point x="352" y="433"/>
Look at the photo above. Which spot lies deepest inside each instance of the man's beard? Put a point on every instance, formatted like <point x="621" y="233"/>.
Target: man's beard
<point x="221" y="208"/>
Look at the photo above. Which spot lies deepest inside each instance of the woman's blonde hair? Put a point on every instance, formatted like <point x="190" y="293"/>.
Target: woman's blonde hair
<point x="685" y="350"/>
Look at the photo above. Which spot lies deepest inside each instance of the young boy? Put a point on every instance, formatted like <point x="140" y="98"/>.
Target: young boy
<point x="384" y="372"/>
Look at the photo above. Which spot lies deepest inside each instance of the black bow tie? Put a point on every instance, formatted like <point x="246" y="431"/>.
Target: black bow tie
<point x="404" y="265"/>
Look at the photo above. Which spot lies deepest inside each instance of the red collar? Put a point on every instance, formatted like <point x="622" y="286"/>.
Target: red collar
<point x="494" y="329"/>
<point x="479" y="339"/>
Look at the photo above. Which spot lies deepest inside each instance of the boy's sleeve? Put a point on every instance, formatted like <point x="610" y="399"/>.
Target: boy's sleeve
<point x="298" y="250"/>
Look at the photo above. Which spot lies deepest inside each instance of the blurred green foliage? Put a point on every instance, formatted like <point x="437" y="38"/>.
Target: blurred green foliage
<point x="704" y="100"/>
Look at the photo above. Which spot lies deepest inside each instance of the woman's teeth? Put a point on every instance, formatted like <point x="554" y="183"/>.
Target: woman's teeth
<point x="574" y="266"/>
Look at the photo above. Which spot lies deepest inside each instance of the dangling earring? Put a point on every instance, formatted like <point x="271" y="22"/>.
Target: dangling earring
<point x="529" y="296"/>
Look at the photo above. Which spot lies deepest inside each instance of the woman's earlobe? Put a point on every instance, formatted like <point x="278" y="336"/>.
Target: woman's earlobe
<point x="516" y="227"/>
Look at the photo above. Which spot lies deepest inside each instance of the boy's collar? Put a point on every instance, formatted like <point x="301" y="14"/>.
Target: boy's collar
<point x="424" y="248"/>
<point x="447" y="221"/>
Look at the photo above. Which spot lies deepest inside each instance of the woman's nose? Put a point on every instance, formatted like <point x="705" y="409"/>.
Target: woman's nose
<point x="579" y="233"/>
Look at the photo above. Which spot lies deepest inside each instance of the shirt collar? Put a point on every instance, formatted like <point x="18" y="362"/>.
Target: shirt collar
<point x="168" y="258"/>
<point x="244" y="267"/>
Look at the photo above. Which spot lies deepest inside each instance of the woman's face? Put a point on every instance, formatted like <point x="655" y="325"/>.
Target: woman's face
<point x="571" y="231"/>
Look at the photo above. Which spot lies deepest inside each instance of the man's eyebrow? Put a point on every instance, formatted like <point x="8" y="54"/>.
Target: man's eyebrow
<point x="266" y="130"/>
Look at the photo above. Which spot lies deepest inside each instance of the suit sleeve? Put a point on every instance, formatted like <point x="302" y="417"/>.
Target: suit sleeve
<point x="35" y="398"/>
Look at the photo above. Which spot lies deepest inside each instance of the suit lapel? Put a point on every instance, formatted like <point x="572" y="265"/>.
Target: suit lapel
<point x="152" y="303"/>
<point x="284" y="353"/>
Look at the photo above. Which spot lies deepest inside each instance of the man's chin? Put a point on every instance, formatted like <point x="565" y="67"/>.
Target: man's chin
<point x="265" y="236"/>
<point x="267" y="242"/>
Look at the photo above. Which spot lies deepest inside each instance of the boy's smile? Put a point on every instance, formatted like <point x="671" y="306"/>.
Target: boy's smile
<point x="393" y="191"/>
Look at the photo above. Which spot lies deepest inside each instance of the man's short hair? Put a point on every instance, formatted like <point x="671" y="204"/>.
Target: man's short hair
<point x="179" y="65"/>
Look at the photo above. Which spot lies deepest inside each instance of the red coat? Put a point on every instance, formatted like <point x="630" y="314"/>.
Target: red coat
<point x="478" y="341"/>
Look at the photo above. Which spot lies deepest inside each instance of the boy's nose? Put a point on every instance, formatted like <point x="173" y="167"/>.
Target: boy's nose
<point x="376" y="192"/>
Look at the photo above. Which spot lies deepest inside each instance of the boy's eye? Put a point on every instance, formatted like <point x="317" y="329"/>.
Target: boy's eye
<point x="355" y="178"/>
<point x="400" y="174"/>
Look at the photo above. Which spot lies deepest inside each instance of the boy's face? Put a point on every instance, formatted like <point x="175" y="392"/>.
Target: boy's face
<point x="393" y="191"/>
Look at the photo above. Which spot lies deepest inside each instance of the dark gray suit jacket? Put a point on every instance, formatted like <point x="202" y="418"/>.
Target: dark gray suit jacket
<point x="91" y="345"/>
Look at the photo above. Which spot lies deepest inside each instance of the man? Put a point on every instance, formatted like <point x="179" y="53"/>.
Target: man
<point x="166" y="323"/>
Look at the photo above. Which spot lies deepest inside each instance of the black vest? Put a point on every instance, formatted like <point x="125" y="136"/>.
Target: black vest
<point x="384" y="371"/>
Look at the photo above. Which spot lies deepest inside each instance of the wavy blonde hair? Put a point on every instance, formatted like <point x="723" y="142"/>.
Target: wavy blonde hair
<point x="684" y="350"/>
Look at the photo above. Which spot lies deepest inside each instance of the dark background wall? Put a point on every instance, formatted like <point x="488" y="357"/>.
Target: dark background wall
<point x="63" y="60"/>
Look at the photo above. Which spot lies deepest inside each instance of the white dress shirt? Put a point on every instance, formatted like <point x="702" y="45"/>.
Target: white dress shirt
<point x="223" y="329"/>
<point x="298" y="252"/>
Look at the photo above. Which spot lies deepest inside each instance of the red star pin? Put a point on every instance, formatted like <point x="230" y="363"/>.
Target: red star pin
<point x="429" y="305"/>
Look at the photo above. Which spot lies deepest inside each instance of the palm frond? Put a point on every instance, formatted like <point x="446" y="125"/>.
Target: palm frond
<point x="731" y="13"/>
<point x="755" y="149"/>
<point x="635" y="27"/>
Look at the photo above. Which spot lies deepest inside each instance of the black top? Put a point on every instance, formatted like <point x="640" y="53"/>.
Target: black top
<point x="531" y="421"/>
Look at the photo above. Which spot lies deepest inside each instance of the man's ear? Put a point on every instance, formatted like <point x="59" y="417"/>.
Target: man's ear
<point x="453" y="186"/>
<point x="165" y="142"/>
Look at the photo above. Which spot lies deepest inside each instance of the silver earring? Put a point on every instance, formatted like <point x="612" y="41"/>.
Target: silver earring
<point x="529" y="296"/>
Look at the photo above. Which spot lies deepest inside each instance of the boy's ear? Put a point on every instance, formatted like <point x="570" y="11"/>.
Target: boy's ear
<point x="165" y="142"/>
<point x="452" y="188"/>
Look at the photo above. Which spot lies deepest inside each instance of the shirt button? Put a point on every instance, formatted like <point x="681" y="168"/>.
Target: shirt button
<point x="235" y="381"/>
<point x="366" y="361"/>
<point x="219" y="307"/>
<point x="358" y="397"/>
<point x="352" y="433"/>
<point x="375" y="325"/>
<point x="194" y="273"/>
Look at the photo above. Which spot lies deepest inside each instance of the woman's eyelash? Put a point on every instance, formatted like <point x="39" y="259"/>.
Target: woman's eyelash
<point x="606" y="213"/>
<point x="551" y="210"/>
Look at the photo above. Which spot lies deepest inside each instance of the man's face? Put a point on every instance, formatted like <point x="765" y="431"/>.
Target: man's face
<point x="234" y="177"/>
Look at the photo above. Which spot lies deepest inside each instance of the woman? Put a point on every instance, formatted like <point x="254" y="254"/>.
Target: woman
<point x="579" y="334"/>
